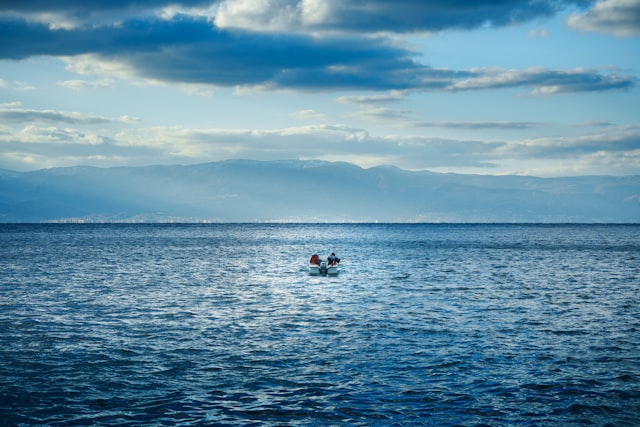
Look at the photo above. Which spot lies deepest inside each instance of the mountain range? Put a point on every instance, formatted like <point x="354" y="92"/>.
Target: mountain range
<point x="308" y="191"/>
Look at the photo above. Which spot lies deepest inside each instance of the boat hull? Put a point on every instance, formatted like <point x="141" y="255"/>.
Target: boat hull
<point x="323" y="269"/>
<point x="314" y="269"/>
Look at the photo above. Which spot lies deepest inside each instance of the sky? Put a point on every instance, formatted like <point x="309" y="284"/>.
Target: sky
<point x="528" y="87"/>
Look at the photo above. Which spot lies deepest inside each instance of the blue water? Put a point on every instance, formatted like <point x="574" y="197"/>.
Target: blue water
<point x="443" y="325"/>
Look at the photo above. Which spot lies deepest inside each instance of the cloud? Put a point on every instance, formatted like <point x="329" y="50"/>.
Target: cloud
<point x="381" y="15"/>
<point x="310" y="114"/>
<point x="52" y="135"/>
<point x="625" y="139"/>
<point x="616" y="150"/>
<point x="13" y="113"/>
<point x="84" y="84"/>
<point x="14" y="104"/>
<point x="376" y="113"/>
<point x="359" y="146"/>
<point x="295" y="15"/>
<point x="189" y="49"/>
<point x="173" y="52"/>
<point x="542" y="33"/>
<point x="23" y="86"/>
<point x="479" y="125"/>
<point x="284" y="61"/>
<point x="132" y="36"/>
<point x="357" y="16"/>
<point x="543" y="81"/>
<point x="69" y="14"/>
<point x="405" y="118"/>
<point x="392" y="96"/>
<point x="618" y="17"/>
<point x="16" y="85"/>
<point x="551" y="155"/>
<point x="327" y="142"/>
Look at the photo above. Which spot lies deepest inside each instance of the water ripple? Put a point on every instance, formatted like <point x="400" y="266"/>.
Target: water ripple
<point x="220" y="325"/>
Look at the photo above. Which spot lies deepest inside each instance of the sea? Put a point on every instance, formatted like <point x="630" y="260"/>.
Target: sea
<point x="221" y="325"/>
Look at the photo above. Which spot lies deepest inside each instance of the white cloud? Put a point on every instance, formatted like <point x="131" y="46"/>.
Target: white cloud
<point x="542" y="81"/>
<point x="273" y="15"/>
<point x="541" y="33"/>
<point x="478" y="125"/>
<point x="84" y="84"/>
<point x="587" y="153"/>
<point x="264" y="15"/>
<point x="309" y="115"/>
<point x="16" y="85"/>
<point x="14" y="113"/>
<point x="15" y="104"/>
<point x="89" y="64"/>
<point x="53" y="135"/>
<point x="314" y="12"/>
<point x="184" y="144"/>
<point x="376" y="113"/>
<point x="617" y="149"/>
<point x="23" y="86"/>
<point x="391" y="96"/>
<point x="618" y="17"/>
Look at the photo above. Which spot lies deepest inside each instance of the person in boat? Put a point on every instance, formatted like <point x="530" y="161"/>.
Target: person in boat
<point x="333" y="259"/>
<point x="315" y="259"/>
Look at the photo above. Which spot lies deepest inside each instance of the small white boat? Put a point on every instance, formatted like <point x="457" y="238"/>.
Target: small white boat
<point x="332" y="270"/>
<point x="323" y="268"/>
<point x="314" y="269"/>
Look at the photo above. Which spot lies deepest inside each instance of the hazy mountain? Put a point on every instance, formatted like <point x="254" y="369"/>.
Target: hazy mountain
<point x="307" y="191"/>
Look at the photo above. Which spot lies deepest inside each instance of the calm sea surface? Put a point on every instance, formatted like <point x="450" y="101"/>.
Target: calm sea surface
<point x="443" y="325"/>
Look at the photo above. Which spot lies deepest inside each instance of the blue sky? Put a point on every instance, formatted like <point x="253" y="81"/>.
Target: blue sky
<point x="536" y="87"/>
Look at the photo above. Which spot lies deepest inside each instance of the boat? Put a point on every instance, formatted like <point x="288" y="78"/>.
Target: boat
<point x="317" y="267"/>
<point x="332" y="270"/>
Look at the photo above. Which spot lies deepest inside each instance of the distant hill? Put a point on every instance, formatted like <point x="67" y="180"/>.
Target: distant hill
<point x="308" y="191"/>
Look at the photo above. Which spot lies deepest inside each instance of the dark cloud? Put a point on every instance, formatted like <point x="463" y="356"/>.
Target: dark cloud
<point x="191" y="49"/>
<point x="32" y="39"/>
<point x="297" y="15"/>
<point x="581" y="81"/>
<point x="385" y="15"/>
<point x="86" y="9"/>
<point x="229" y="58"/>
<point x="419" y="15"/>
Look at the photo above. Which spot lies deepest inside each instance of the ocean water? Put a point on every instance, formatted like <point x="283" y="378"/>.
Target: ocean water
<point x="440" y="325"/>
